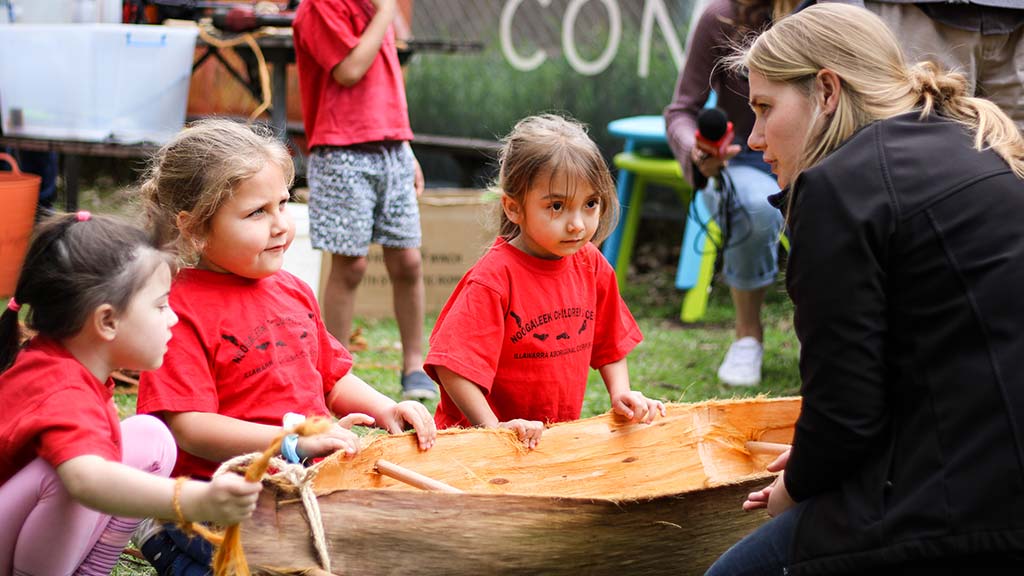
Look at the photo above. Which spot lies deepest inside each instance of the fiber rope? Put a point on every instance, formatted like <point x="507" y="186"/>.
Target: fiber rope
<point x="229" y="558"/>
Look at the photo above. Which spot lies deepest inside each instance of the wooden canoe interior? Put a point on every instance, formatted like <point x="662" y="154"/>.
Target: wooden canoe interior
<point x="692" y="448"/>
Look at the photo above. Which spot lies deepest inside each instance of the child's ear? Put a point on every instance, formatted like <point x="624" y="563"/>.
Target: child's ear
<point x="104" y="321"/>
<point x="513" y="211"/>
<point x="183" y="220"/>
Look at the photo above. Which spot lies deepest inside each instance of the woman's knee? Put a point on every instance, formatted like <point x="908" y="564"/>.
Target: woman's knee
<point x="148" y="445"/>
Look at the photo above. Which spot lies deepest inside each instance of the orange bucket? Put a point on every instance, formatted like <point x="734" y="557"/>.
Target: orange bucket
<point x="19" y="193"/>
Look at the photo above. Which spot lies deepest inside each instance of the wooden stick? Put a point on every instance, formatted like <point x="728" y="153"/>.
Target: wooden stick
<point x="766" y="448"/>
<point x="411" y="478"/>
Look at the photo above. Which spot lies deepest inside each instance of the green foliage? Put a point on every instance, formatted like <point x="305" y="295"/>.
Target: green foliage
<point x="480" y="95"/>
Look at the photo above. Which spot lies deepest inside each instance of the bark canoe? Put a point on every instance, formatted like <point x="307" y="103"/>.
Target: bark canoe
<point x="598" y="496"/>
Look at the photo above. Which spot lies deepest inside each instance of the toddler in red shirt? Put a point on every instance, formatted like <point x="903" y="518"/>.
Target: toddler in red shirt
<point x="250" y="346"/>
<point x="73" y="479"/>
<point x="513" y="345"/>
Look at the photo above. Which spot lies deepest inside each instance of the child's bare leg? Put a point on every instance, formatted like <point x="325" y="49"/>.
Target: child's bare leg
<point x="405" y="269"/>
<point x="340" y="294"/>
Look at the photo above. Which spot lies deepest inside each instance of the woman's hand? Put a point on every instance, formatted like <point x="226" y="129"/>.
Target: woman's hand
<point x="779" y="500"/>
<point x="637" y="407"/>
<point x="763" y="498"/>
<point x="407" y="414"/>
<point x="708" y="162"/>
<point x="529" y="431"/>
<point x="336" y="438"/>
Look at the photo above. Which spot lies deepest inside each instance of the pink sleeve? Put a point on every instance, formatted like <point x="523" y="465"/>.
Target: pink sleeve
<point x="468" y="336"/>
<point x="617" y="332"/>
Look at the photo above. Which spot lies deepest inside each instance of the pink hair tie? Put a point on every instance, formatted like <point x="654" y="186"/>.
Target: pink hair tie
<point x="13" y="305"/>
<point x="83" y="215"/>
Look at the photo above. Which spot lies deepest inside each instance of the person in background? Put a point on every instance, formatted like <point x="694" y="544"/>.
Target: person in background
<point x="363" y="178"/>
<point x="903" y="196"/>
<point x="74" y="481"/>
<point x="735" y="185"/>
<point x="981" y="39"/>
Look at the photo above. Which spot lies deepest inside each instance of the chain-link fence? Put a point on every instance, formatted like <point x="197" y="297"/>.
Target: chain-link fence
<point x="545" y="24"/>
<point x="597" y="60"/>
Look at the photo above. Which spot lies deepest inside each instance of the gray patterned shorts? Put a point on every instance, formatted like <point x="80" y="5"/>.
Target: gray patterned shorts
<point x="361" y="195"/>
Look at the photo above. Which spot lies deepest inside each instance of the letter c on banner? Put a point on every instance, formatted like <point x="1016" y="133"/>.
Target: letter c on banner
<point x="521" y="63"/>
<point x="569" y="38"/>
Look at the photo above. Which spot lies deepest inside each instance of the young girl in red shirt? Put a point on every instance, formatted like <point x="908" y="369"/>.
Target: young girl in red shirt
<point x="73" y="479"/>
<point x="250" y="346"/>
<point x="513" y="345"/>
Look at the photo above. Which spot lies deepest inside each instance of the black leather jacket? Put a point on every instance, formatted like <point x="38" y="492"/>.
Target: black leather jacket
<point x="907" y="274"/>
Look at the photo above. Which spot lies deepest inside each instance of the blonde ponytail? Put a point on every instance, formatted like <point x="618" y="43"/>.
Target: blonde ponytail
<point x="945" y="93"/>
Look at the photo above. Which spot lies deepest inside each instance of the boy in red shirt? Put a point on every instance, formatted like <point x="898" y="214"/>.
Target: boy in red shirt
<point x="363" y="177"/>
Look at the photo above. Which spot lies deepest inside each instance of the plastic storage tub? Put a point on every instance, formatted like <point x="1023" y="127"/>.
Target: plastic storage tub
<point x="95" y="82"/>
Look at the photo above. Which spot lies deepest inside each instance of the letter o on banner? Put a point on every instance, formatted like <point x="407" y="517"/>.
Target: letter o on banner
<point x="569" y="38"/>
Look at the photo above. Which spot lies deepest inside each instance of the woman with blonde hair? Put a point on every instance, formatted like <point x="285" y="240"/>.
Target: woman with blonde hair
<point x="904" y="199"/>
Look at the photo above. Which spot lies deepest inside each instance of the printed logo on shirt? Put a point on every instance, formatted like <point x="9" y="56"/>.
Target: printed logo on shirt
<point x="540" y="330"/>
<point x="532" y="326"/>
<point x="257" y="351"/>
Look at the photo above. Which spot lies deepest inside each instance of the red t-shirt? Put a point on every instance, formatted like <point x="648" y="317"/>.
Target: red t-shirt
<point x="54" y="409"/>
<point x="372" y="109"/>
<point x="248" y="349"/>
<point x="526" y="330"/>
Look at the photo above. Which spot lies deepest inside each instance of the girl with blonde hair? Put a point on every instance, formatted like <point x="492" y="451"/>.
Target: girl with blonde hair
<point x="904" y="199"/>
<point x="251" y="350"/>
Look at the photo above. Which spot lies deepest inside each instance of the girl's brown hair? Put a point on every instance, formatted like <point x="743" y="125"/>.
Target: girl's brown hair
<point x="197" y="171"/>
<point x="72" y="267"/>
<point x="552" y="146"/>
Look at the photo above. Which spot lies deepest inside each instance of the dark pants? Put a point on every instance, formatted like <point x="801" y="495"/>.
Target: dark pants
<point x="765" y="552"/>
<point x="172" y="553"/>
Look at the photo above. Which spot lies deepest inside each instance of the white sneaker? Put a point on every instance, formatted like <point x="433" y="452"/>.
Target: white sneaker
<point x="742" y="364"/>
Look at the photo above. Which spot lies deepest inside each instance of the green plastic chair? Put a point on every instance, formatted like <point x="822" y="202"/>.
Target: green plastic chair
<point x="646" y="170"/>
<point x="665" y="172"/>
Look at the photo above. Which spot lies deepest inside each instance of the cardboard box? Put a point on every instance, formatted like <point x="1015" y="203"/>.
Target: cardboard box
<point x="458" y="226"/>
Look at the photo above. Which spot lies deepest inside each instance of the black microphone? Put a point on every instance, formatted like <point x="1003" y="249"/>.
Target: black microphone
<point x="714" y="130"/>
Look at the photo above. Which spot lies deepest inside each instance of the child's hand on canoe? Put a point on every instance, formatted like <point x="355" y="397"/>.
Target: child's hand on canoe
<point x="407" y="414"/>
<point x="529" y="431"/>
<point x="637" y="407"/>
<point x="336" y="438"/>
